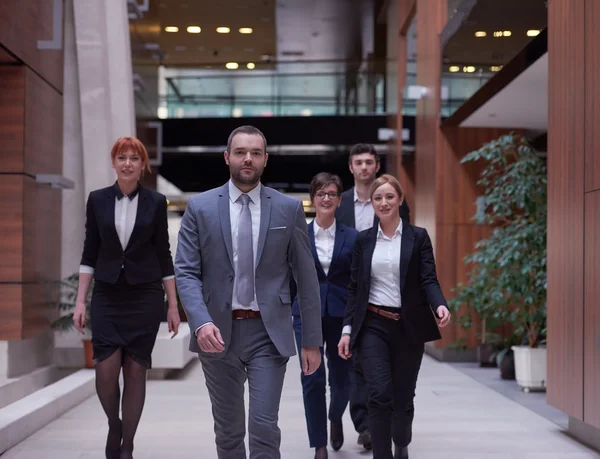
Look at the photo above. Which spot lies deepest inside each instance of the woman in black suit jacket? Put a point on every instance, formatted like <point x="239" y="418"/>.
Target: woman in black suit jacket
<point x="393" y="295"/>
<point x="126" y="251"/>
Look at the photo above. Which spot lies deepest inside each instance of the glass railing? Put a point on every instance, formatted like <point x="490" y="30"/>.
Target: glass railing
<point x="299" y="89"/>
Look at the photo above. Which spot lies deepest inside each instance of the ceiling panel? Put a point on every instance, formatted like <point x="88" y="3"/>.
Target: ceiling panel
<point x="152" y="44"/>
<point x="489" y="16"/>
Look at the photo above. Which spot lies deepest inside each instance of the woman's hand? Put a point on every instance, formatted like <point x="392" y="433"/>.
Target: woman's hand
<point x="173" y="320"/>
<point x="344" y="347"/>
<point x="444" y="316"/>
<point x="79" y="317"/>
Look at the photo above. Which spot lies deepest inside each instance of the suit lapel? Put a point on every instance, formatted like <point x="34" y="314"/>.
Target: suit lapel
<point x="225" y="221"/>
<point x="368" y="250"/>
<point x="313" y="248"/>
<point x="338" y="243"/>
<point x="110" y="214"/>
<point x="408" y="242"/>
<point x="347" y="208"/>
<point x="142" y="208"/>
<point x="265" y="219"/>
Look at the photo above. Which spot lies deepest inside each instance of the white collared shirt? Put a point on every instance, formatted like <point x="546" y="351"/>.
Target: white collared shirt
<point x="385" y="272"/>
<point x="324" y="242"/>
<point x="235" y="208"/>
<point x="364" y="214"/>
<point x="125" y="215"/>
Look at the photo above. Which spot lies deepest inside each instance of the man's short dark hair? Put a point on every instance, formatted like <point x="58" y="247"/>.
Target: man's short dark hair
<point x="323" y="179"/>
<point x="361" y="148"/>
<point x="246" y="129"/>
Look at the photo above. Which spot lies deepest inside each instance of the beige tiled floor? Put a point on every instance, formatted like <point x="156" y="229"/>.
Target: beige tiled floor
<point x="457" y="418"/>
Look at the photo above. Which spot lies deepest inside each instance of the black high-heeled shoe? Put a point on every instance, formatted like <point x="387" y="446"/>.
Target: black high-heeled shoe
<point x="115" y="434"/>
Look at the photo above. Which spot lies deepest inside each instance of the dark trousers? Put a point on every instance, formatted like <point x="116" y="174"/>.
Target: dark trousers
<point x="391" y="363"/>
<point x="358" y="397"/>
<point x="314" y="386"/>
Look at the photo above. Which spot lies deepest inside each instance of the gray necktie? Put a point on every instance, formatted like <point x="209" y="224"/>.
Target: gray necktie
<point x="245" y="261"/>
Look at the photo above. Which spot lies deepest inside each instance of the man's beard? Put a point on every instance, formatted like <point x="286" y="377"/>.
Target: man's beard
<point x="247" y="179"/>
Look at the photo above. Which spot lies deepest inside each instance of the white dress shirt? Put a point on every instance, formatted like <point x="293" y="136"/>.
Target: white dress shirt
<point x="235" y="209"/>
<point x="385" y="272"/>
<point x="324" y="242"/>
<point x="364" y="214"/>
<point x="125" y="214"/>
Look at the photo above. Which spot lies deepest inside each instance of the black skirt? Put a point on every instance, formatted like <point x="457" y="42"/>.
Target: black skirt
<point x="127" y="317"/>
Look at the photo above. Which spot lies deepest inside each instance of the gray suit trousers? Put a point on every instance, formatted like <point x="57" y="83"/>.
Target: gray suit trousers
<point x="252" y="356"/>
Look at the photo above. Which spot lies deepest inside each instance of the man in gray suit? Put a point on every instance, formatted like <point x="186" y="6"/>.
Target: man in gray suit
<point x="236" y="246"/>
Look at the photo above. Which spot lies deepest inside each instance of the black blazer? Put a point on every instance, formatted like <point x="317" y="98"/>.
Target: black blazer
<point x="146" y="258"/>
<point x="345" y="213"/>
<point x="419" y="288"/>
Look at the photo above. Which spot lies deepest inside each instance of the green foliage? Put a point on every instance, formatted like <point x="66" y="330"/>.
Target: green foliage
<point x="507" y="276"/>
<point x="67" y="302"/>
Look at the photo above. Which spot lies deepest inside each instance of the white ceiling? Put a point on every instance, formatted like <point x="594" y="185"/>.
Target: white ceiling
<point x="523" y="104"/>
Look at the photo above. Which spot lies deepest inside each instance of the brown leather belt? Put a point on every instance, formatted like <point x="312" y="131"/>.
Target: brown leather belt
<point x="244" y="314"/>
<point x="384" y="313"/>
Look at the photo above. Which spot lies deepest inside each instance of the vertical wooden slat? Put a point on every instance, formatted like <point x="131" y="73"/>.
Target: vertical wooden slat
<point x="566" y="161"/>
<point x="592" y="96"/>
<point x="12" y="117"/>
<point x="591" y="351"/>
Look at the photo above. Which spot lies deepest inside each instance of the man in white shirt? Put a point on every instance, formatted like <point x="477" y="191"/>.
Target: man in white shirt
<point x="357" y="212"/>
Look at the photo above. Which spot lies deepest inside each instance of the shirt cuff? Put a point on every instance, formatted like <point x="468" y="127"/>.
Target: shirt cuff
<point x="168" y="277"/>
<point x="347" y="330"/>
<point x="83" y="269"/>
<point x="203" y="325"/>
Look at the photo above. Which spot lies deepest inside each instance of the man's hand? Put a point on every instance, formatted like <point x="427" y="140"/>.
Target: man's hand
<point x="311" y="360"/>
<point x="209" y="339"/>
<point x="444" y="316"/>
<point x="344" y="347"/>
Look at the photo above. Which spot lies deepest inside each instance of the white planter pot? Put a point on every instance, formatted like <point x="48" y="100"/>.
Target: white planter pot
<point x="530" y="367"/>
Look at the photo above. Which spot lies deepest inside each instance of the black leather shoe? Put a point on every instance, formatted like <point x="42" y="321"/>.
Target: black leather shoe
<point x="321" y="453"/>
<point x="364" y="439"/>
<point x="336" y="433"/>
<point x="401" y="452"/>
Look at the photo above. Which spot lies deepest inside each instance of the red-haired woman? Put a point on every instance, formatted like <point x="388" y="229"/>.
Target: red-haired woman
<point x="126" y="251"/>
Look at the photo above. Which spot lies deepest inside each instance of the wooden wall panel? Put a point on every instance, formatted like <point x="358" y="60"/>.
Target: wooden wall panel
<point x="43" y="127"/>
<point x="592" y="96"/>
<point x="11" y="228"/>
<point x="10" y="309"/>
<point x="402" y="168"/>
<point x="431" y="19"/>
<point x="12" y="117"/>
<point x="591" y="351"/>
<point x="6" y="57"/>
<point x="566" y="162"/>
<point x="22" y="24"/>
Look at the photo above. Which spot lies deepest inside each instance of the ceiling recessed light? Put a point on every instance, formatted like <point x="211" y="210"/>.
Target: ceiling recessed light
<point x="306" y="112"/>
<point x="507" y="33"/>
<point x="171" y="29"/>
<point x="223" y="30"/>
<point x="232" y="65"/>
<point x="454" y="68"/>
<point x="250" y="65"/>
<point x="469" y="69"/>
<point x="194" y="29"/>
<point x="245" y="30"/>
<point x="496" y="68"/>
<point x="533" y="33"/>
<point x="480" y="33"/>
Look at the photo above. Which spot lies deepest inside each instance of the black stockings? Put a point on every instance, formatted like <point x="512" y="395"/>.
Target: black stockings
<point x="119" y="443"/>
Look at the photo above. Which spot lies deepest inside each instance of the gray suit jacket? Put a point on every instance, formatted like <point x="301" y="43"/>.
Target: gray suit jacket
<point x="204" y="269"/>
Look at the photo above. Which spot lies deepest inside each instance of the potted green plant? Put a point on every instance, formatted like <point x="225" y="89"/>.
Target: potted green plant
<point x="66" y="305"/>
<point x="507" y="277"/>
<point x="502" y="352"/>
